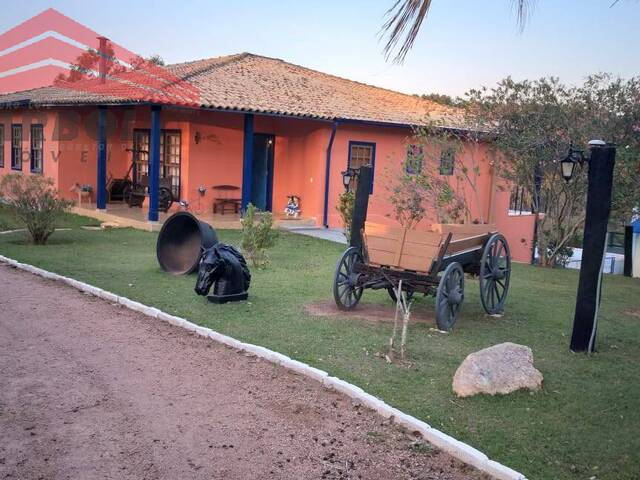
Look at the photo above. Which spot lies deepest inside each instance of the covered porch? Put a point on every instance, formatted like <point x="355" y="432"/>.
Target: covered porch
<point x="121" y="215"/>
<point x="202" y="157"/>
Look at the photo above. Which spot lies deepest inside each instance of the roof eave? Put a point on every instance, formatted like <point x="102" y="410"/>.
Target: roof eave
<point x="345" y="120"/>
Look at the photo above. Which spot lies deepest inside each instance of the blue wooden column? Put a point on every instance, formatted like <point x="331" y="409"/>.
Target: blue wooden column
<point x="247" y="160"/>
<point x="154" y="163"/>
<point x="101" y="181"/>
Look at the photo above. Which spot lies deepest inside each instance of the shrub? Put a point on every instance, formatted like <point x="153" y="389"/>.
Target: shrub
<point x="257" y="236"/>
<point x="34" y="202"/>
<point x="562" y="255"/>
<point x="345" y="208"/>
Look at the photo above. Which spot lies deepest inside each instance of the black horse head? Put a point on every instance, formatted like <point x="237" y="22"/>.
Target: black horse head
<point x="225" y="266"/>
<point x="212" y="267"/>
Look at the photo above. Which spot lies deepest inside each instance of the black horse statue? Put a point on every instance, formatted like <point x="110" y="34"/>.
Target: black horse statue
<point x="225" y="266"/>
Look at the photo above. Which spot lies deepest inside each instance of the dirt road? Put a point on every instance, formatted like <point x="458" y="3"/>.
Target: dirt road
<point x="89" y="390"/>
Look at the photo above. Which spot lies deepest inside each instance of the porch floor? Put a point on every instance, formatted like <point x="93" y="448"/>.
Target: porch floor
<point x="136" y="217"/>
<point x="332" y="234"/>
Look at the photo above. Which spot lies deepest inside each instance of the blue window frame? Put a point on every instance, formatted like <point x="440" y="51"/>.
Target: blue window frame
<point x="37" y="148"/>
<point x="170" y="157"/>
<point x="362" y="153"/>
<point x="447" y="162"/>
<point x="16" y="146"/>
<point x="415" y="159"/>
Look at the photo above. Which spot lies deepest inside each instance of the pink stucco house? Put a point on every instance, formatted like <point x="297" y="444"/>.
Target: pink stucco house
<point x="269" y="127"/>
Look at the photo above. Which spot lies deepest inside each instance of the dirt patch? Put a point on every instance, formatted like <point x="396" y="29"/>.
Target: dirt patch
<point x="94" y="391"/>
<point x="634" y="312"/>
<point x="370" y="312"/>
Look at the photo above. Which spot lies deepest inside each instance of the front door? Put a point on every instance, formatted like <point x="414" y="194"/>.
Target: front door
<point x="262" y="174"/>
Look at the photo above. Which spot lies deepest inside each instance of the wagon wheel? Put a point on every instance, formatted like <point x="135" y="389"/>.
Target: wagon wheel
<point x="131" y="193"/>
<point x="345" y="290"/>
<point x="165" y="199"/>
<point x="495" y="271"/>
<point x="449" y="296"/>
<point x="408" y="292"/>
<point x="126" y="191"/>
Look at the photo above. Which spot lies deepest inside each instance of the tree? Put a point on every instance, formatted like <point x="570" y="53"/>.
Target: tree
<point x="419" y="186"/>
<point x="405" y="18"/>
<point x="535" y="123"/>
<point x="156" y="60"/>
<point x="442" y="99"/>
<point x="460" y="150"/>
<point x="87" y="65"/>
<point x="612" y="109"/>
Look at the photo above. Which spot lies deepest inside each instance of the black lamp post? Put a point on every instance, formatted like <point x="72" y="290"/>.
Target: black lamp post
<point x="600" y="183"/>
<point x="360" y="203"/>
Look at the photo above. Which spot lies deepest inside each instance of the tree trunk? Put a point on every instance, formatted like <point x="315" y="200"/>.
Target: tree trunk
<point x="534" y="241"/>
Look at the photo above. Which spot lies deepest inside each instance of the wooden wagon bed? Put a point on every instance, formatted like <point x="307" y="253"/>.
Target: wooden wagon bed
<point x="402" y="249"/>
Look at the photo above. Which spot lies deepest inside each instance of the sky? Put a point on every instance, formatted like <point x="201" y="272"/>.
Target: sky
<point x="463" y="44"/>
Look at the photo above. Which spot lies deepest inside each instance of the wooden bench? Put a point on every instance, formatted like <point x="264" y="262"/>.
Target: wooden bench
<point x="226" y="199"/>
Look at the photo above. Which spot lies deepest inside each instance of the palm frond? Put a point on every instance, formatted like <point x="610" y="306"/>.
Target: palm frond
<point x="524" y="9"/>
<point x="405" y="17"/>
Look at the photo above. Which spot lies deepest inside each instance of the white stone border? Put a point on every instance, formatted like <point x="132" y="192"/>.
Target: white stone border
<point x="453" y="447"/>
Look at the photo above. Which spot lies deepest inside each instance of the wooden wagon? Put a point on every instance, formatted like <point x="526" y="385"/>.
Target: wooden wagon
<point x="135" y="193"/>
<point x="432" y="263"/>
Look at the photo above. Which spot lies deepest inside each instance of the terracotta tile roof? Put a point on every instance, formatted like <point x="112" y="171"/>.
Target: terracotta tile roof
<point x="253" y="83"/>
<point x="45" y="96"/>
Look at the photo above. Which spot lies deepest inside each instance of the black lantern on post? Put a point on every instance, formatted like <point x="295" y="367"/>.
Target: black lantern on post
<point x="600" y="183"/>
<point x="568" y="164"/>
<point x="576" y="157"/>
<point x="348" y="176"/>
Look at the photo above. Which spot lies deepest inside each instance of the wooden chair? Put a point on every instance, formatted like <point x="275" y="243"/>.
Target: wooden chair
<point x="83" y="193"/>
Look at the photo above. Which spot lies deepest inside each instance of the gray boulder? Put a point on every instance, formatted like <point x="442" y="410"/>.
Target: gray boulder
<point x="503" y="368"/>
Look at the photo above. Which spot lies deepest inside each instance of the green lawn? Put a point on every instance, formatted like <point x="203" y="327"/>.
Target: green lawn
<point x="584" y="424"/>
<point x="66" y="220"/>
